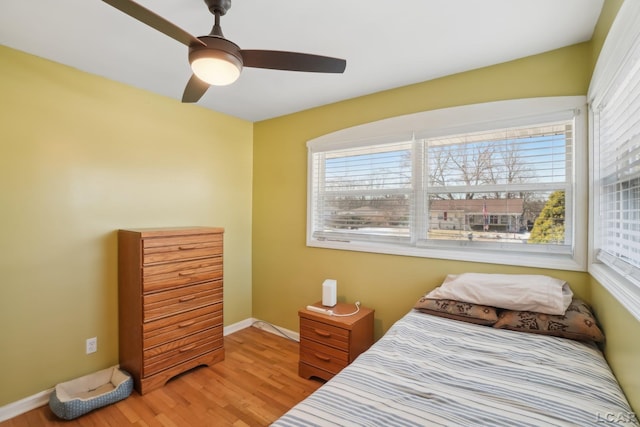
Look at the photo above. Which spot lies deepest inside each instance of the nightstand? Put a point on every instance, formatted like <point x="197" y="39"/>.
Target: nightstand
<point x="329" y="343"/>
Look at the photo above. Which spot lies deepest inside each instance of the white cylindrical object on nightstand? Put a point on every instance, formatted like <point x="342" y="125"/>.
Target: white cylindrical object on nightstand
<point x="329" y="293"/>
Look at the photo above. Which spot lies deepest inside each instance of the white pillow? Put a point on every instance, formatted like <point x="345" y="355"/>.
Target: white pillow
<point x="522" y="292"/>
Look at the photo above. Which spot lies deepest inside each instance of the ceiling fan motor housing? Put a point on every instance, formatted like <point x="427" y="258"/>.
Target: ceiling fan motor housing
<point x="217" y="47"/>
<point x="219" y="6"/>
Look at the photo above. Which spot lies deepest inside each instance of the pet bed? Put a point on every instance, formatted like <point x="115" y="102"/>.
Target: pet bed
<point x="77" y="397"/>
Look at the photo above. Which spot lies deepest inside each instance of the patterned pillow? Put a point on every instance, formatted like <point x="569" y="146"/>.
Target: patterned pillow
<point x="577" y="323"/>
<point x="458" y="310"/>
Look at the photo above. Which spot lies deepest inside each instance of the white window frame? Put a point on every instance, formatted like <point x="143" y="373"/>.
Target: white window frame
<point x="624" y="32"/>
<point x="456" y="120"/>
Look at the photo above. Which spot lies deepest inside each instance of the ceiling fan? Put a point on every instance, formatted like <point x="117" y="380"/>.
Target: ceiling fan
<point x="218" y="61"/>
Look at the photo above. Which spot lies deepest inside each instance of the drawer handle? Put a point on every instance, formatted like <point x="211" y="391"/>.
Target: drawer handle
<point x="187" y="348"/>
<point x="322" y="333"/>
<point x="187" y="298"/>
<point x="321" y="357"/>
<point x="187" y="323"/>
<point x="187" y="273"/>
<point x="187" y="248"/>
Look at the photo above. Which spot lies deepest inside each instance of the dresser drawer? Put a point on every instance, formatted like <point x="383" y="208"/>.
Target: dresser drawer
<point x="164" y="356"/>
<point x="174" y="301"/>
<point x="325" y="334"/>
<point x="327" y="358"/>
<point x="175" y="327"/>
<point x="161" y="276"/>
<point x="178" y="248"/>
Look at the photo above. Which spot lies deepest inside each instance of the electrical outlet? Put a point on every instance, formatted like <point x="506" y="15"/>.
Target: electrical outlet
<point x="92" y="345"/>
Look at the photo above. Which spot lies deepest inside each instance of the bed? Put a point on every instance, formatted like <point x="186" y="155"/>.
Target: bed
<point x="432" y="370"/>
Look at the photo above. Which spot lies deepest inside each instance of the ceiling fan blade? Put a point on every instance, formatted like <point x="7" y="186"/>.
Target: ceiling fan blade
<point x="194" y="90"/>
<point x="292" y="61"/>
<point x="153" y="20"/>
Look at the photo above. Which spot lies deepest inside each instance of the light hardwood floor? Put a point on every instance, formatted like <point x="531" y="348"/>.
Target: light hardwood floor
<point x="256" y="383"/>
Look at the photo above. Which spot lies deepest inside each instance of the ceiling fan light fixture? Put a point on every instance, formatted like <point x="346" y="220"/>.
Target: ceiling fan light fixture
<point x="215" y="67"/>
<point x="216" y="61"/>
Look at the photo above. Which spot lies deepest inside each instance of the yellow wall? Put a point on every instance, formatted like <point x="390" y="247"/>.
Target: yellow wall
<point x="288" y="275"/>
<point x="622" y="348"/>
<point x="80" y="157"/>
<point x="605" y="20"/>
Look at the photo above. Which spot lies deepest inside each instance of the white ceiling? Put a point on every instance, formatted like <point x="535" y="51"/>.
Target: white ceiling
<point x="387" y="44"/>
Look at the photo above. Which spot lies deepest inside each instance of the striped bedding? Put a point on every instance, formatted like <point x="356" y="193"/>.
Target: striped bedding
<point x="429" y="370"/>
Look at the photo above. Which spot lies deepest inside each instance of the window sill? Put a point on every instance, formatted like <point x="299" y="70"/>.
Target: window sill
<point x="622" y="289"/>
<point x="553" y="261"/>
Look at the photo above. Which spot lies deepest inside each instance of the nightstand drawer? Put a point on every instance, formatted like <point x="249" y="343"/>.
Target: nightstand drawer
<point x="325" y="334"/>
<point x="323" y="357"/>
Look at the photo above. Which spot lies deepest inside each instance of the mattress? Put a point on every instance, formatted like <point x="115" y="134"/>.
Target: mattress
<point x="428" y="370"/>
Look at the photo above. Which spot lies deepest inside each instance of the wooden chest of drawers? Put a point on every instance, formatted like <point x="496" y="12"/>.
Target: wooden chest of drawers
<point x="170" y="302"/>
<point x="329" y="343"/>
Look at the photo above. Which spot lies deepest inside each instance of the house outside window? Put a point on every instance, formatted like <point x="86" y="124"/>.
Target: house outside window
<point x="504" y="186"/>
<point x="507" y="215"/>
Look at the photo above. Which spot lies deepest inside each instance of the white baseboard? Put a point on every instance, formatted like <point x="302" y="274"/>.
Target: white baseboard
<point x="228" y="330"/>
<point x="277" y="330"/>
<point x="42" y="398"/>
<point x="24" y="405"/>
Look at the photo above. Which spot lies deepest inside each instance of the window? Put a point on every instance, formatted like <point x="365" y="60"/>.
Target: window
<point x="364" y="191"/>
<point x="501" y="183"/>
<point x="488" y="190"/>
<point x="615" y="116"/>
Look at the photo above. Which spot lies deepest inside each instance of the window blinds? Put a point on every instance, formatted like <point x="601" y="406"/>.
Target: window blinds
<point x="363" y="190"/>
<point x="616" y="114"/>
<point x="510" y="159"/>
<point x="386" y="191"/>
